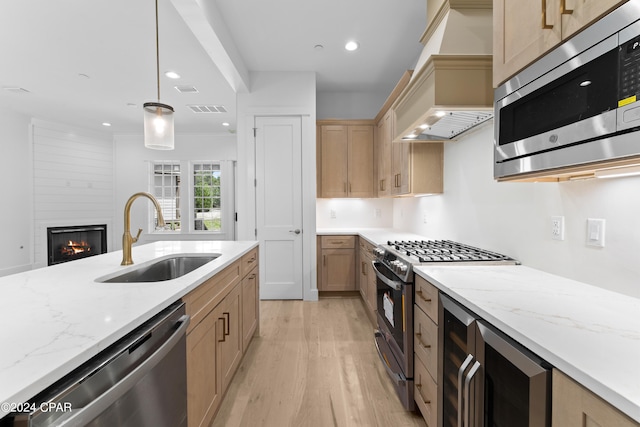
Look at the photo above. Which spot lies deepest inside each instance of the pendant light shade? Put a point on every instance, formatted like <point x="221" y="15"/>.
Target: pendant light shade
<point x="158" y="118"/>
<point x="158" y="126"/>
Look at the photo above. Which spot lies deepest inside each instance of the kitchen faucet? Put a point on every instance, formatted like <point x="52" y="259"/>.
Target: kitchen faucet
<point x="127" y="239"/>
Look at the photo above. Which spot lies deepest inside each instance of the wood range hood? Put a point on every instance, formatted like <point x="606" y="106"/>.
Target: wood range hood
<point x="451" y="90"/>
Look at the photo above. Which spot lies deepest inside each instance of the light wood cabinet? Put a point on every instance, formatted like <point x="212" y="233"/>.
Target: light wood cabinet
<point x="575" y="406"/>
<point x="425" y="338"/>
<point x="345" y="159"/>
<point x="336" y="263"/>
<point x="417" y="168"/>
<point x="225" y="316"/>
<point x="391" y="157"/>
<point x="518" y="39"/>
<point x="367" y="278"/>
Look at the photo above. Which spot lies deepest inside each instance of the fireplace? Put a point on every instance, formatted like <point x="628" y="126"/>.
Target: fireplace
<point x="71" y="243"/>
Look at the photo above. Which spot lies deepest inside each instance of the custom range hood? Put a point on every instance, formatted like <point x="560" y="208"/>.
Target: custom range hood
<point x="451" y="90"/>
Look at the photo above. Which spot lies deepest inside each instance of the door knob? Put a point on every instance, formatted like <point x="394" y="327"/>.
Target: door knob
<point x="297" y="231"/>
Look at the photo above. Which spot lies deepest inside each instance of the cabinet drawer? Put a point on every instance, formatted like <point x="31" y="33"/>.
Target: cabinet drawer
<point x="425" y="336"/>
<point x="249" y="261"/>
<point x="205" y="297"/>
<point x="427" y="298"/>
<point x="366" y="246"/>
<point x="425" y="394"/>
<point x="338" y="242"/>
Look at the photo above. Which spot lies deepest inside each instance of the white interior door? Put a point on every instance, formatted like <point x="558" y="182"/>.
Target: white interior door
<point x="279" y="206"/>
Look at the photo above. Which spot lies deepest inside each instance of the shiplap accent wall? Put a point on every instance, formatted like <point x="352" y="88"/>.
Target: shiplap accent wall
<point x="72" y="181"/>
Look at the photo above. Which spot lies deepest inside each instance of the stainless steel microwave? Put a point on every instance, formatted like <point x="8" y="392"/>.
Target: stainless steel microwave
<point x="577" y="105"/>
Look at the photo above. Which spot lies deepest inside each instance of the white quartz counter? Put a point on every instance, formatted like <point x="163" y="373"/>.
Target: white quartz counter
<point x="589" y="333"/>
<point x="54" y="319"/>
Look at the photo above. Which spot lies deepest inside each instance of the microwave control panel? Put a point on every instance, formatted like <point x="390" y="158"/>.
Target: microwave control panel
<point x="629" y="80"/>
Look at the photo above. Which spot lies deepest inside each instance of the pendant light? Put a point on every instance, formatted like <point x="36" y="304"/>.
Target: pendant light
<point x="158" y="117"/>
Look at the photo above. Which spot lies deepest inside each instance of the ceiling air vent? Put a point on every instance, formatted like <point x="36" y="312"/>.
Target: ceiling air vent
<point x="207" y="108"/>
<point x="186" y="89"/>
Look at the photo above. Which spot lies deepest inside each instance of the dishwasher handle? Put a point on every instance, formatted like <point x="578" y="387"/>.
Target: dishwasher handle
<point x="96" y="407"/>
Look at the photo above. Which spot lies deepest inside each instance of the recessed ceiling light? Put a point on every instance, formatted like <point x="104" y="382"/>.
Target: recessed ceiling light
<point x="172" y="75"/>
<point x="225" y="124"/>
<point x="84" y="76"/>
<point x="318" y="47"/>
<point x="351" y="45"/>
<point x="131" y="104"/>
<point x="107" y="124"/>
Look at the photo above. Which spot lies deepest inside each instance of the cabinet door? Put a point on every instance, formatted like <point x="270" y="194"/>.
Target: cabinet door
<point x="522" y="31"/>
<point x="575" y="406"/>
<point x="203" y="393"/>
<point x="250" y="309"/>
<point x="362" y="274"/>
<point x="401" y="168"/>
<point x="338" y="270"/>
<point x="383" y="145"/>
<point x="334" y="159"/>
<point x="577" y="14"/>
<point x="229" y="343"/>
<point x="372" y="291"/>
<point x="361" y="158"/>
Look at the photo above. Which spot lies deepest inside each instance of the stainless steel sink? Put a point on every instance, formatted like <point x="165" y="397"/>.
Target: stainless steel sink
<point x="163" y="269"/>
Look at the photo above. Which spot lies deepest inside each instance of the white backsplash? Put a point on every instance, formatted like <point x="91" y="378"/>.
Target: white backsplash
<point x="354" y="213"/>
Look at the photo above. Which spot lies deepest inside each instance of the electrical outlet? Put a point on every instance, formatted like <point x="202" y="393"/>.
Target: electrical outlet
<point x="557" y="227"/>
<point x="377" y="213"/>
<point x="333" y="214"/>
<point x="595" y="232"/>
<point x="424" y="217"/>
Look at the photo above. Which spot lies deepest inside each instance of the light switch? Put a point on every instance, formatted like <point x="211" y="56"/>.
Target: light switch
<point x="595" y="232"/>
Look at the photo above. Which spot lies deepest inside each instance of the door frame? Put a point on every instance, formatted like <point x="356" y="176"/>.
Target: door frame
<point x="246" y="196"/>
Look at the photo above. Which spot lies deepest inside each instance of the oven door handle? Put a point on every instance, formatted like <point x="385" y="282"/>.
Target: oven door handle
<point x="396" y="378"/>
<point x="393" y="284"/>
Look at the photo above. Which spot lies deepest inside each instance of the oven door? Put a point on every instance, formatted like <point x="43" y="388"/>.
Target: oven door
<point x="394" y="338"/>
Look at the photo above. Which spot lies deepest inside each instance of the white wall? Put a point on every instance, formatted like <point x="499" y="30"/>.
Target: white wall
<point x="515" y="218"/>
<point x="273" y="94"/>
<point x="16" y="250"/>
<point x="132" y="175"/>
<point x="354" y="213"/>
<point x="349" y="105"/>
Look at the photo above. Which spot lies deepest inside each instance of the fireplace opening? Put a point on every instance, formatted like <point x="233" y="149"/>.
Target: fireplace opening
<point x="76" y="242"/>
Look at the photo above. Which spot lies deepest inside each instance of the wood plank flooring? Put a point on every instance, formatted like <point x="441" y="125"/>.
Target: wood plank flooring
<point x="314" y="365"/>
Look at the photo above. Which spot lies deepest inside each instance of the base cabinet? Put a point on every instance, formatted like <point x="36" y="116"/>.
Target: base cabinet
<point x="367" y="278"/>
<point x="575" y="406"/>
<point x="225" y="316"/>
<point x="336" y="263"/>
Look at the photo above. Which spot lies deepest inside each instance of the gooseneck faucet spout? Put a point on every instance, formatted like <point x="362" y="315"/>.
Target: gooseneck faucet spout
<point x="127" y="239"/>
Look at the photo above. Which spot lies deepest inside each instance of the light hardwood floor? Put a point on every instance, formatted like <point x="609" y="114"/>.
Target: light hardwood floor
<point x="314" y="364"/>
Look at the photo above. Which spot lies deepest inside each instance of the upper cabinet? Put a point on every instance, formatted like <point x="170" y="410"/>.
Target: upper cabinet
<point x="345" y="158"/>
<point x="519" y="38"/>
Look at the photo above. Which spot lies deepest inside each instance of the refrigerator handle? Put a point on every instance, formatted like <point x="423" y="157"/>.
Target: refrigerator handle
<point x="463" y="368"/>
<point x="467" y="382"/>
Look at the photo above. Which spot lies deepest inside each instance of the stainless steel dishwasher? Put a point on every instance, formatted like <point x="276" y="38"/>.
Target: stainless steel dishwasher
<point x="138" y="381"/>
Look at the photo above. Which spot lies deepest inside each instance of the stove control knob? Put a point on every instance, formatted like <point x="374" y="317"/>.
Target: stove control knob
<point x="403" y="268"/>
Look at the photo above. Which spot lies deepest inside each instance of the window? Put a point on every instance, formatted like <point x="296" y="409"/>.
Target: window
<point x="201" y="203"/>
<point x="206" y="197"/>
<point x="166" y="189"/>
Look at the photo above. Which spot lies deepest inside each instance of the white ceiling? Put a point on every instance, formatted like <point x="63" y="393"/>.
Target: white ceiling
<point x="83" y="61"/>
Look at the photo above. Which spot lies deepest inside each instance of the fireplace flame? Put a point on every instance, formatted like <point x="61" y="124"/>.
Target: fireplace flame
<point x="74" y="248"/>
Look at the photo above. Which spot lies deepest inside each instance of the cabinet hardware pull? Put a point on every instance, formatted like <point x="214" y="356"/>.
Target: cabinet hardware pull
<point x="324" y="260"/>
<point x="252" y="277"/>
<point x="345" y="187"/>
<point x="545" y="26"/>
<point x="227" y="324"/>
<point x="363" y="268"/>
<point x="419" y="293"/>
<point x="563" y="8"/>
<point x="467" y="382"/>
<point x="419" y="336"/>
<point x="419" y="387"/>
<point x="350" y="188"/>
<point x="223" y="329"/>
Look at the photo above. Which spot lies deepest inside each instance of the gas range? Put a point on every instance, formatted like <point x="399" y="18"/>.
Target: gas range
<point x="401" y="256"/>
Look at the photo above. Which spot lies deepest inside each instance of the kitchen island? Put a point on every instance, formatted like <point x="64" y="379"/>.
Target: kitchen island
<point x="590" y="334"/>
<point x="56" y="318"/>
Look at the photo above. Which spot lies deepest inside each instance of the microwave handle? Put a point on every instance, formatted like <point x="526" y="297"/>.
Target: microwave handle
<point x="467" y="382"/>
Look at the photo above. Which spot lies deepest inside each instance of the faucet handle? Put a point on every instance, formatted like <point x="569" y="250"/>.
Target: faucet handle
<point x="135" y="239"/>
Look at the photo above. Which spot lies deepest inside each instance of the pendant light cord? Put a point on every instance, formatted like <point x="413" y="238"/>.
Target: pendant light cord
<point x="157" y="53"/>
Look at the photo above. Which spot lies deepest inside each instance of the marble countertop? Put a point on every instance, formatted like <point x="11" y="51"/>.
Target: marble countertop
<point x="56" y="318"/>
<point x="589" y="333"/>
